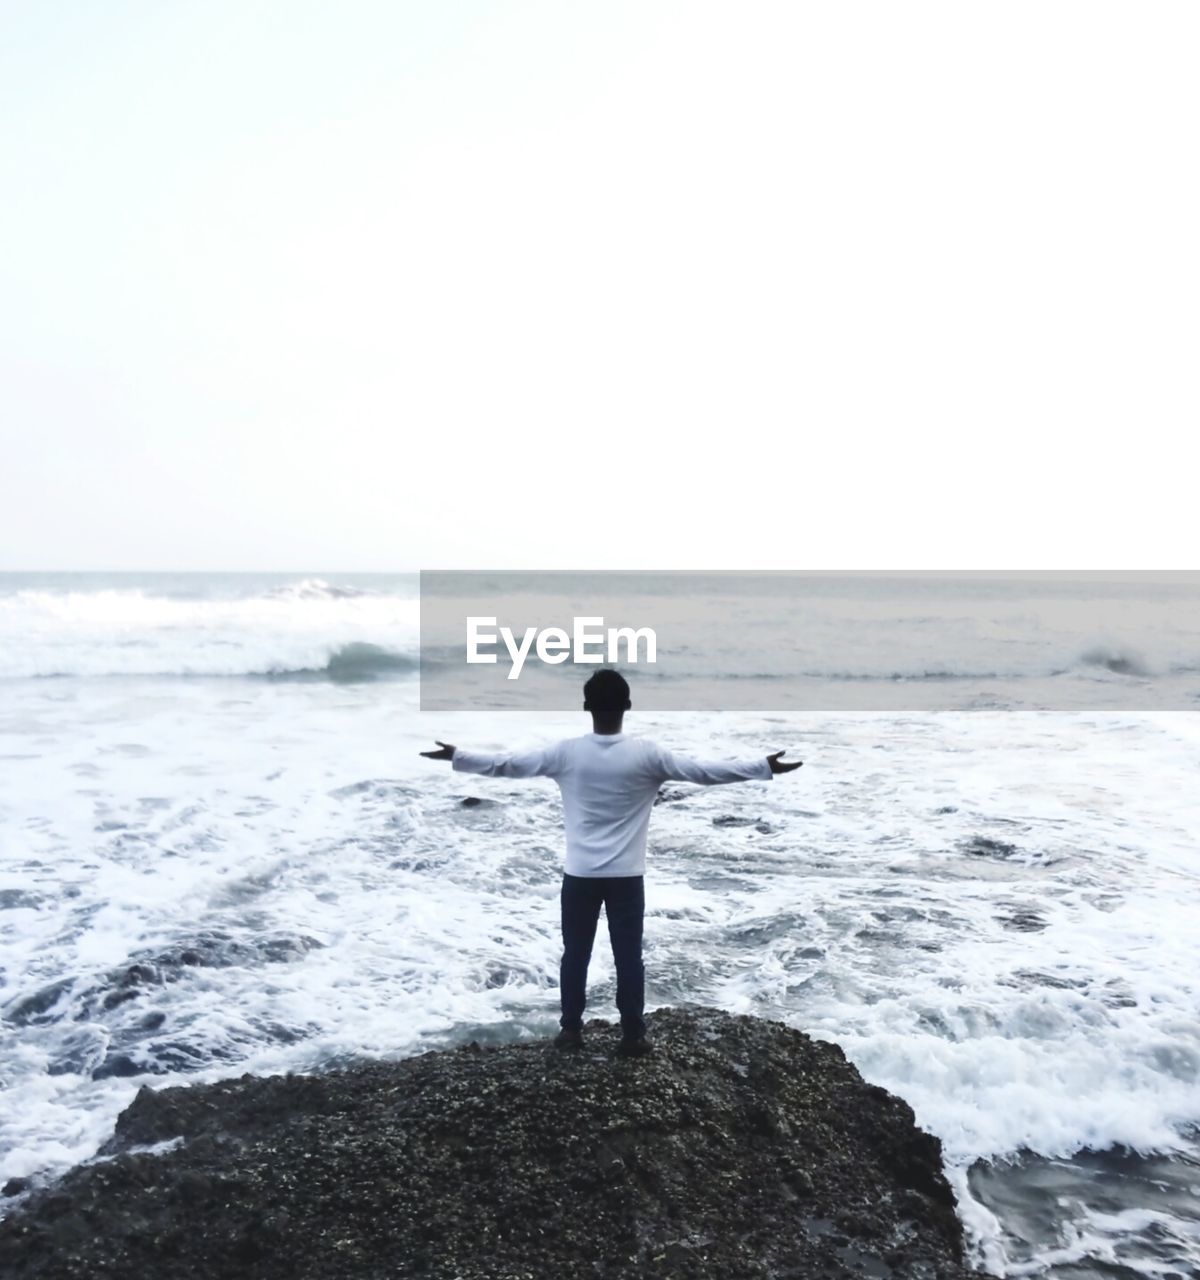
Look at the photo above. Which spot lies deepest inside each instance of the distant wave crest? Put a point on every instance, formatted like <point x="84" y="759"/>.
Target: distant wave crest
<point x="316" y="589"/>
<point x="352" y="662"/>
<point x="1120" y="661"/>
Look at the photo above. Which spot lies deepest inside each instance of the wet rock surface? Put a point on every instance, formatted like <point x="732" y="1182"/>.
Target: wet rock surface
<point x="739" y="1148"/>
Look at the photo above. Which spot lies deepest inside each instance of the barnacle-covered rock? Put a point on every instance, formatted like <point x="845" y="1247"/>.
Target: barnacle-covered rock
<point x="739" y="1148"/>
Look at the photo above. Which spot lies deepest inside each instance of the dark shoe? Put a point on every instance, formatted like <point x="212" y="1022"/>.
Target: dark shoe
<point x="634" y="1047"/>
<point x="569" y="1038"/>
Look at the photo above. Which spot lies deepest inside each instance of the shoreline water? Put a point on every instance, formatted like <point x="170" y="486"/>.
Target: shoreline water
<point x="987" y="911"/>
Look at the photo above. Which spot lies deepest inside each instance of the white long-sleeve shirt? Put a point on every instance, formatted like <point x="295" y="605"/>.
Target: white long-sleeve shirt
<point x="608" y="783"/>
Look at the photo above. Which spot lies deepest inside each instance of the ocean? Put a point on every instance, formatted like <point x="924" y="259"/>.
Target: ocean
<point x="220" y="852"/>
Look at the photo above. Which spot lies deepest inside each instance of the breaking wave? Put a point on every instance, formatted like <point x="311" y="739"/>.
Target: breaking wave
<point x="1121" y="662"/>
<point x="310" y="629"/>
<point x="355" y="661"/>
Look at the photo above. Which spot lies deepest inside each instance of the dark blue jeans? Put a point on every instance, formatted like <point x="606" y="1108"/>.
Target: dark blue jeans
<point x="624" y="901"/>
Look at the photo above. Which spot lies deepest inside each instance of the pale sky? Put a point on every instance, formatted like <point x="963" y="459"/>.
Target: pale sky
<point x="379" y="286"/>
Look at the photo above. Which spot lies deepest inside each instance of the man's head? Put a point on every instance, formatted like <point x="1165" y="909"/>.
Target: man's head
<point x="606" y="696"/>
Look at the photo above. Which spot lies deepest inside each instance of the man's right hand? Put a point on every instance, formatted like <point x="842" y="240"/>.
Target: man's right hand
<point x="778" y="765"/>
<point x="447" y="752"/>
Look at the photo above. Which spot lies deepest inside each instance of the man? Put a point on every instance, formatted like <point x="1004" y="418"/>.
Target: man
<point x="608" y="783"/>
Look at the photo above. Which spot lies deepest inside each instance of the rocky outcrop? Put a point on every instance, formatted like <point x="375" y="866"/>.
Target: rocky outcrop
<point x="739" y="1148"/>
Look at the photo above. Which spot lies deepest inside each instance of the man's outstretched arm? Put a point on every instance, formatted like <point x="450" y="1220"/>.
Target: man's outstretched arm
<point x="678" y="768"/>
<point x="540" y="763"/>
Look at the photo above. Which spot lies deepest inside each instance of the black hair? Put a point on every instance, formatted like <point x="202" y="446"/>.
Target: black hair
<point x="606" y="691"/>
